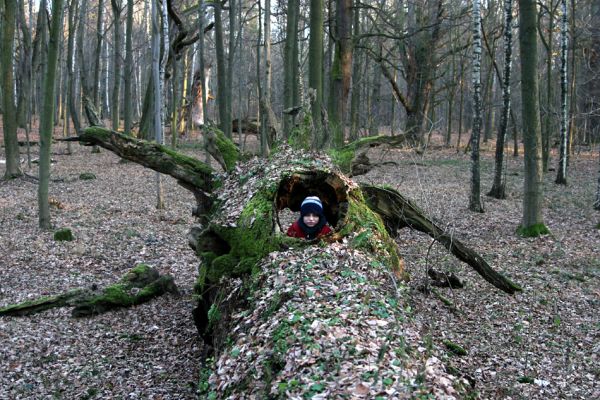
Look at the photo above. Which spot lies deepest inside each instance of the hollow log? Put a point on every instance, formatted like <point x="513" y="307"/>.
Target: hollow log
<point x="137" y="286"/>
<point x="284" y="317"/>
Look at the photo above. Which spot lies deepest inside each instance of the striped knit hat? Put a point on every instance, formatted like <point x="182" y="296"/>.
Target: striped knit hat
<point x="311" y="204"/>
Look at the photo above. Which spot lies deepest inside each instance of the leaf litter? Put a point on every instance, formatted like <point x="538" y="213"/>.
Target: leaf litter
<point x="542" y="343"/>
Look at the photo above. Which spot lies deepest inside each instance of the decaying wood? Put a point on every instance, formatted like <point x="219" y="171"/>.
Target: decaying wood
<point x="187" y="170"/>
<point x="137" y="286"/>
<point x="399" y="212"/>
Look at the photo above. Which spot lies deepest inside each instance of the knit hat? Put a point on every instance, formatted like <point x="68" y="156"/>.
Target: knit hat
<point x="311" y="204"/>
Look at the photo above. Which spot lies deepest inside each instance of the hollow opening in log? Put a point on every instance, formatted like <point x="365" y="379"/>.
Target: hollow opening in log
<point x="330" y="188"/>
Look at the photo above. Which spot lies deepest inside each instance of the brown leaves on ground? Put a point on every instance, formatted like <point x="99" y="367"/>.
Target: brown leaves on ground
<point x="545" y="337"/>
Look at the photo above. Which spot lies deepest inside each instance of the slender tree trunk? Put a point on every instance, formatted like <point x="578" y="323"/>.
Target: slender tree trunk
<point x="355" y="97"/>
<point x="266" y="102"/>
<point x="98" y="52"/>
<point x="24" y="75"/>
<point x="461" y="104"/>
<point x="224" y="112"/>
<point x="475" y="195"/>
<point x="290" y="66"/>
<point x="115" y="106"/>
<point x="561" y="175"/>
<point x="27" y="74"/>
<point x="47" y="114"/>
<point x="73" y="111"/>
<point x="532" y="224"/>
<point x="129" y="73"/>
<point x="157" y="77"/>
<point x="86" y="89"/>
<point x="315" y="69"/>
<point x="341" y="72"/>
<point x="9" y="116"/>
<point x="233" y="4"/>
<point x="499" y="186"/>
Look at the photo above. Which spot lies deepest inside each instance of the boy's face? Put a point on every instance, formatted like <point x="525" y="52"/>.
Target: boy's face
<point x="310" y="219"/>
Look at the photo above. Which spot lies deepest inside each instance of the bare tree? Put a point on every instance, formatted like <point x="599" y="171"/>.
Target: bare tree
<point x="561" y="175"/>
<point x="475" y="195"/>
<point x="9" y="116"/>
<point x="532" y="224"/>
<point x="47" y="114"/>
<point x="499" y="186"/>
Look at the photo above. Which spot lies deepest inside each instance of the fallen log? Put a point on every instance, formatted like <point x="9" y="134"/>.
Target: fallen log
<point x="277" y="313"/>
<point x="399" y="212"/>
<point x="348" y="157"/>
<point x="139" y="285"/>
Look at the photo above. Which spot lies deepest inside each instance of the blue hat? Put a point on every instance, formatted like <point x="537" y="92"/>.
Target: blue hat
<point x="311" y="204"/>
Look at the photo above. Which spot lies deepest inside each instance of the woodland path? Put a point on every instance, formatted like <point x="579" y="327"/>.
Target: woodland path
<point x="549" y="333"/>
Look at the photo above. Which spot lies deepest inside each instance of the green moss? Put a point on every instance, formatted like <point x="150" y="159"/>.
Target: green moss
<point x="222" y="265"/>
<point x="455" y="348"/>
<point x="300" y="137"/>
<point x="371" y="234"/>
<point x="87" y="176"/>
<point x="343" y="156"/>
<point x="251" y="239"/>
<point x="63" y="235"/>
<point x="526" y="379"/>
<point x="227" y="148"/>
<point x="533" y="230"/>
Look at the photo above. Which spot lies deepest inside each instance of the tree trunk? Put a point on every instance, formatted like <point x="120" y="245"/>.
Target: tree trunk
<point x="222" y="101"/>
<point x="115" y="106"/>
<point x="72" y="106"/>
<point x="315" y="69"/>
<point x="532" y="224"/>
<point x="24" y="75"/>
<point x="129" y="74"/>
<point x="561" y="175"/>
<point x="475" y="194"/>
<point x="290" y="65"/>
<point x="47" y="115"/>
<point x="355" y="97"/>
<point x="341" y="72"/>
<point x="9" y="115"/>
<point x="499" y="186"/>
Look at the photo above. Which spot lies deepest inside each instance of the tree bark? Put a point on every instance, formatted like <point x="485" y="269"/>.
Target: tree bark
<point x="129" y="73"/>
<point x="398" y="212"/>
<point x="222" y="91"/>
<point x="532" y="223"/>
<point x="47" y="115"/>
<point x="9" y="116"/>
<point x="499" y="186"/>
<point x="315" y="69"/>
<point x="116" y="90"/>
<point x="475" y="194"/>
<point x="138" y="286"/>
<point x="290" y="65"/>
<point x="561" y="174"/>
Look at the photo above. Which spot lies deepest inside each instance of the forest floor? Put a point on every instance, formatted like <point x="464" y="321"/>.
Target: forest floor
<point x="539" y="344"/>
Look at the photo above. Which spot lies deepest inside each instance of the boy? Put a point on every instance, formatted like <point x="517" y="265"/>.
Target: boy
<point x="312" y="222"/>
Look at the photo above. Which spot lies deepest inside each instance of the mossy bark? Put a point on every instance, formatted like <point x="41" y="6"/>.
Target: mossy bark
<point x="346" y="157"/>
<point x="141" y="284"/>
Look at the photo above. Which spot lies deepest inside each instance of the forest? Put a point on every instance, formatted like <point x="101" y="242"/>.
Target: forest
<point x="154" y="153"/>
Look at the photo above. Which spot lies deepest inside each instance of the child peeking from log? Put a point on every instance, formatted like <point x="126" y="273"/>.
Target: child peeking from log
<point x="312" y="222"/>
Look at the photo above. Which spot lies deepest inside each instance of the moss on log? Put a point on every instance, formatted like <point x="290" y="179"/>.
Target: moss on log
<point x="347" y="155"/>
<point x="139" y="285"/>
<point x="187" y="170"/>
<point x="399" y="212"/>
